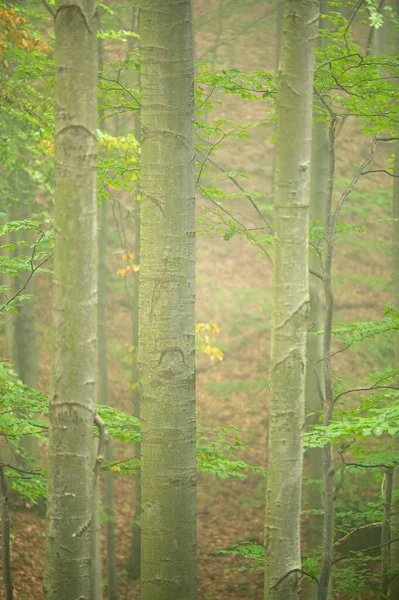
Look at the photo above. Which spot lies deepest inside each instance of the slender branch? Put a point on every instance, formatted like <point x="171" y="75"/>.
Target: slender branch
<point x="353" y="183"/>
<point x="206" y="158"/>
<point x="288" y="573"/>
<point x="331" y="60"/>
<point x="316" y="274"/>
<point x="377" y="524"/>
<point x="123" y="88"/>
<point x="380" y="171"/>
<point x="388" y="139"/>
<point x="33" y="268"/>
<point x="239" y="186"/>
<point x="337" y="352"/>
<point x="367" y="389"/>
<point x="245" y="229"/>
<point x="8" y="466"/>
<point x="350" y="21"/>
<point x="48" y="8"/>
<point x="355" y="553"/>
<point x="375" y="466"/>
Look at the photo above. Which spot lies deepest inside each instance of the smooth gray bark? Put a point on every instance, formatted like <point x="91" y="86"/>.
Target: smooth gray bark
<point x="314" y="368"/>
<point x="167" y="303"/>
<point x="290" y="301"/>
<point x="72" y="404"/>
<point x="394" y="558"/>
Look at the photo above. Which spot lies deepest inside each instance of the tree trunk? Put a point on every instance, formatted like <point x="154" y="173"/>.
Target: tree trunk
<point x="5" y="538"/>
<point x="103" y="388"/>
<point x="385" y="532"/>
<point x="167" y="303"/>
<point x="394" y="548"/>
<point x="135" y="566"/>
<point x="103" y="398"/>
<point x="314" y="369"/>
<point x="135" y="560"/>
<point x="71" y="461"/>
<point x="290" y="301"/>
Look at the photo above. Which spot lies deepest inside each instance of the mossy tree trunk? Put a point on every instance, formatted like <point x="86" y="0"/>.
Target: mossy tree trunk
<point x="167" y="303"/>
<point x="290" y="301"/>
<point x="71" y="461"/>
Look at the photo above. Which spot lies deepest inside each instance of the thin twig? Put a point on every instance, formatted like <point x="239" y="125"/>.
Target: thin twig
<point x="355" y="553"/>
<point x="239" y="186"/>
<point x="48" y="8"/>
<point x="380" y="171"/>
<point x="33" y="268"/>
<point x="245" y="229"/>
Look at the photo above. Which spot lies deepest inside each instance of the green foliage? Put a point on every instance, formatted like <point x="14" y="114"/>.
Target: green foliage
<point x="216" y="453"/>
<point x="19" y="408"/>
<point x="250" y="551"/>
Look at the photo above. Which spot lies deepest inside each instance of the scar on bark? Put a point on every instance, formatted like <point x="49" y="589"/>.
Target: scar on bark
<point x="155" y="201"/>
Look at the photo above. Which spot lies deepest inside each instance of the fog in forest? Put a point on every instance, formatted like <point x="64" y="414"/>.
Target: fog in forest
<point x="200" y="299"/>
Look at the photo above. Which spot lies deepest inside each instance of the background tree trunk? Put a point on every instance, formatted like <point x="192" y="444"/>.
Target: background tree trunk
<point x="71" y="461"/>
<point x="314" y="367"/>
<point x="167" y="303"/>
<point x="290" y="302"/>
<point x="394" y="558"/>
<point x="103" y="388"/>
<point x="21" y="327"/>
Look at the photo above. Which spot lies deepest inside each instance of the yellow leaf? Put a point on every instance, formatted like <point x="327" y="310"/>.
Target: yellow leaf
<point x="135" y="268"/>
<point x="116" y="468"/>
<point x="131" y="255"/>
<point x="121" y="272"/>
<point x="124" y="256"/>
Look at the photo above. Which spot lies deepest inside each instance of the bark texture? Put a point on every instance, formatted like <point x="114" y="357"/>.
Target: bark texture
<point x="290" y="301"/>
<point x="103" y="387"/>
<point x="71" y="461"/>
<point x="5" y="538"/>
<point x="314" y="368"/>
<point x="394" y="548"/>
<point x="103" y="398"/>
<point x="135" y="564"/>
<point x="167" y="302"/>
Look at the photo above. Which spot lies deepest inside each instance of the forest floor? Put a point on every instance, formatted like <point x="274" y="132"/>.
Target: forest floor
<point x="234" y="291"/>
